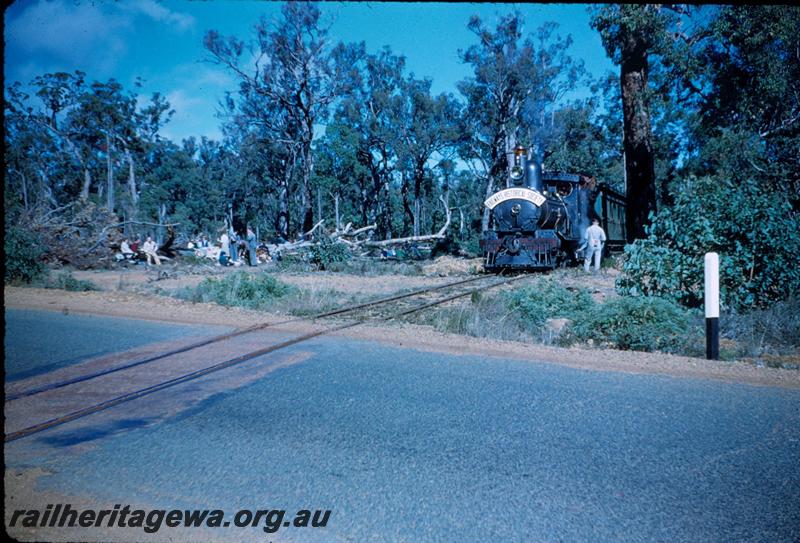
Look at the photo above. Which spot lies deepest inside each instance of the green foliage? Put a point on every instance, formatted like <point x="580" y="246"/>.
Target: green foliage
<point x="513" y="86"/>
<point x="471" y="246"/>
<point x="584" y="139"/>
<point x="637" y="324"/>
<point x="66" y="281"/>
<point x="756" y="91"/>
<point x="326" y="253"/>
<point x="23" y="255"/>
<point x="771" y="331"/>
<point x="241" y="289"/>
<point x="627" y="323"/>
<point x="371" y="267"/>
<point x="547" y="300"/>
<point x="625" y="28"/>
<point x="754" y="233"/>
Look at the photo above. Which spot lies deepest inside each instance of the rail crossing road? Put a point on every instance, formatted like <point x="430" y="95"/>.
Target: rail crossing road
<point x="399" y="444"/>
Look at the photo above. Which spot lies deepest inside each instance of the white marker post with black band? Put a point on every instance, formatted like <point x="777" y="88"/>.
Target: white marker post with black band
<point x="712" y="305"/>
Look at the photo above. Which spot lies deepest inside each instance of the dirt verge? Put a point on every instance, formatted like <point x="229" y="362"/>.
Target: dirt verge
<point x="123" y="303"/>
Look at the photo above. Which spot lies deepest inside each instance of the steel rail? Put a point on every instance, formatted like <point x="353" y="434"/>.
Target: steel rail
<point x="229" y="335"/>
<point x="80" y="413"/>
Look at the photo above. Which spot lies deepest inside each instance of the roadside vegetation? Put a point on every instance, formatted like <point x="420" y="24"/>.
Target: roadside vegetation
<point x="564" y="308"/>
<point x="66" y="281"/>
<point x="57" y="279"/>
<point x="552" y="313"/>
<point x="366" y="266"/>
<point x="549" y="312"/>
<point x="263" y="292"/>
<point x="23" y="262"/>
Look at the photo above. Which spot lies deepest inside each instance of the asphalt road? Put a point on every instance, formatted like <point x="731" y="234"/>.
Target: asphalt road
<point x="37" y="342"/>
<point x="403" y="445"/>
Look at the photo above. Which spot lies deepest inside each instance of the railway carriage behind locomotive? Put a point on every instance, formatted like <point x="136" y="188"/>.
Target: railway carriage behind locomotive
<point x="539" y="221"/>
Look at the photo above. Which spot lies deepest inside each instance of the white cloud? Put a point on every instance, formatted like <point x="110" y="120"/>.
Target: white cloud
<point x="160" y="14"/>
<point x="88" y="34"/>
<point x="194" y="116"/>
<point x="182" y="102"/>
<point x="73" y="33"/>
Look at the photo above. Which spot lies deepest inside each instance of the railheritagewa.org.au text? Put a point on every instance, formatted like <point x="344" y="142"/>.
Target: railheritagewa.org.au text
<point x="153" y="520"/>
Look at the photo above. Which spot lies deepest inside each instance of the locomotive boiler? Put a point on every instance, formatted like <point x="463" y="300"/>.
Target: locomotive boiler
<point x="538" y="222"/>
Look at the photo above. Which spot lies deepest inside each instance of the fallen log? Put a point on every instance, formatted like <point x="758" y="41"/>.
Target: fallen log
<point x="400" y="241"/>
<point x="359" y="231"/>
<point x="441" y="234"/>
<point x="356" y="244"/>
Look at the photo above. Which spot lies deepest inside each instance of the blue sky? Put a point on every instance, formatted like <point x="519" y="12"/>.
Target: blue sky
<point x="161" y="42"/>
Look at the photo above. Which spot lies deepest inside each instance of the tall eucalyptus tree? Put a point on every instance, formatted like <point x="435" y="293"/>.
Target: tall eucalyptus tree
<point x="294" y="69"/>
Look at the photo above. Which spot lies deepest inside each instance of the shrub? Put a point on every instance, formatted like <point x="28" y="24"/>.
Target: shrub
<point x="371" y="266"/>
<point x="23" y="256"/>
<point x="325" y="253"/>
<point x="536" y="304"/>
<point x="637" y="324"/>
<point x="240" y="289"/>
<point x="753" y="231"/>
<point x="774" y="331"/>
<point x="471" y="246"/>
<point x="483" y="316"/>
<point x="66" y="281"/>
<point x="627" y="323"/>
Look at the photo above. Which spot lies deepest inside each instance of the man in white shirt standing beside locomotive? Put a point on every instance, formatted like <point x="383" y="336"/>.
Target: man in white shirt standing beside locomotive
<point x="595" y="239"/>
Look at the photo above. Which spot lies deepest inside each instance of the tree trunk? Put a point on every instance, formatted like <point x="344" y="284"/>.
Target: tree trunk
<point x="499" y="165"/>
<point x="387" y="208"/>
<point x="319" y="202"/>
<point x="638" y="140"/>
<point x="408" y="213"/>
<point x="307" y="198"/>
<point x="47" y="190"/>
<point x="87" y="184"/>
<point x="416" y="215"/>
<point x="110" y="171"/>
<point x="489" y="191"/>
<point x="132" y="180"/>
<point x="133" y="208"/>
<point x="282" y="222"/>
<point x="24" y="190"/>
<point x="365" y="206"/>
<point x="336" y="211"/>
<point x="162" y="219"/>
<point x="419" y="176"/>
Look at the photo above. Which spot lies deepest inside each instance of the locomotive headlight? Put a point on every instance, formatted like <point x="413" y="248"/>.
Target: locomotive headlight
<point x="516" y="172"/>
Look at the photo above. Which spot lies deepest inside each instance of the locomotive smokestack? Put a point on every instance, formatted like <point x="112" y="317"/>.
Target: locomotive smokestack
<point x="534" y="169"/>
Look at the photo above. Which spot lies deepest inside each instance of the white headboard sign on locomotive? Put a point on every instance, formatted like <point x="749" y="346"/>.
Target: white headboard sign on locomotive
<point x="540" y="223"/>
<point x="529" y="195"/>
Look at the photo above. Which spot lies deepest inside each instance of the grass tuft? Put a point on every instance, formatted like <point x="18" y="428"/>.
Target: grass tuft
<point x="239" y="289"/>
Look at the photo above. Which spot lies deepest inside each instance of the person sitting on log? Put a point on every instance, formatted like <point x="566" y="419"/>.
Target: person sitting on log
<point x="149" y="248"/>
<point x="125" y="249"/>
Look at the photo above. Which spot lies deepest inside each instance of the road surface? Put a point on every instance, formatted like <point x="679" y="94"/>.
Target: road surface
<point x="405" y="445"/>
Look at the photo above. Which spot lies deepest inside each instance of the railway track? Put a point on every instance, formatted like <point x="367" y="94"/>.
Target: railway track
<point x="466" y="288"/>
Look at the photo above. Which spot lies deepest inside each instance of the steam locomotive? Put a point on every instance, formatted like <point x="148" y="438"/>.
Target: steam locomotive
<point x="538" y="222"/>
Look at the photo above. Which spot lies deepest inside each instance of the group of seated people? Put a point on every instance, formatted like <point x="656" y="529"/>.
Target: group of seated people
<point x="199" y="243"/>
<point x="229" y="252"/>
<point x="128" y="250"/>
<point x="131" y="251"/>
